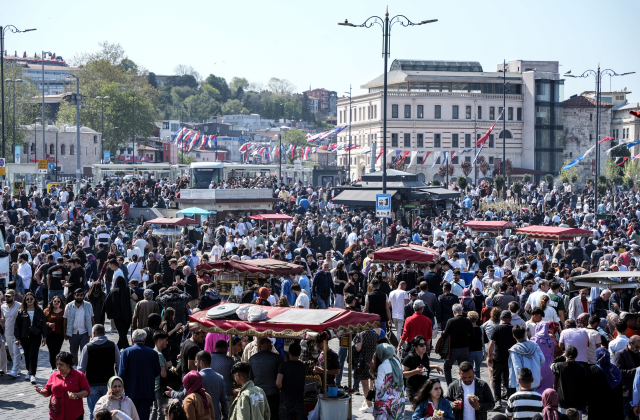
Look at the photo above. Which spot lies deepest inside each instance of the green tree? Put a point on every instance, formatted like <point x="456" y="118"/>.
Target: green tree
<point x="435" y="183"/>
<point x="221" y="84"/>
<point x="462" y="183"/>
<point x="568" y="175"/>
<point x="499" y="182"/>
<point x="631" y="173"/>
<point x="238" y="83"/>
<point x="612" y="173"/>
<point x="549" y="179"/>
<point x="516" y="188"/>
<point x="526" y="178"/>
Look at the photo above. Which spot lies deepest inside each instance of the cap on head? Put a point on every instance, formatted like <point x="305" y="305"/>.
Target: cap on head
<point x="418" y="304"/>
<point x="505" y="315"/>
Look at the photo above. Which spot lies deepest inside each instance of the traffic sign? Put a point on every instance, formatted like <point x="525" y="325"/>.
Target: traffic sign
<point x="51" y="159"/>
<point x="3" y="171"/>
<point x="2" y="161"/>
<point x="42" y="164"/>
<point x="383" y="205"/>
<point x="52" y="166"/>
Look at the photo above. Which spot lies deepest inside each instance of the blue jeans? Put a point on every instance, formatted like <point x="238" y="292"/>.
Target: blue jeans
<point x="343" y="353"/>
<point x="475" y="357"/>
<point x="53" y="293"/>
<point x="96" y="392"/>
<point x="323" y="303"/>
<point x="108" y="286"/>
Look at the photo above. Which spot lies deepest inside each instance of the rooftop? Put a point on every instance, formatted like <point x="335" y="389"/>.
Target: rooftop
<point x="584" y="102"/>
<point x="436" y="65"/>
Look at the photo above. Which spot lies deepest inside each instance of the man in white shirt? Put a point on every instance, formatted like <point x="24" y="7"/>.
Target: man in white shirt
<point x="132" y="250"/>
<point x="534" y="298"/>
<point x="64" y="196"/>
<point x="352" y="238"/>
<point x="25" y="270"/>
<point x="140" y="243"/>
<point x="302" y="300"/>
<point x="10" y="310"/>
<point x="398" y="299"/>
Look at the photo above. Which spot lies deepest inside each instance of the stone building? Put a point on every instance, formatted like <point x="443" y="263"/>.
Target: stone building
<point x="61" y="142"/>
<point x="580" y="133"/>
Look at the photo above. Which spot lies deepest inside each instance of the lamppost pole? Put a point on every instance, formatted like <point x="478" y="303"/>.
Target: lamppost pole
<point x="102" y="98"/>
<point x="44" y="121"/>
<point x="349" y="144"/>
<point x="13" y="137"/>
<point x="134" y="127"/>
<point x="280" y="156"/>
<point x="3" y="30"/>
<point x="386" y="24"/>
<point x="504" y="129"/>
<point x="598" y="75"/>
<point x="475" y="140"/>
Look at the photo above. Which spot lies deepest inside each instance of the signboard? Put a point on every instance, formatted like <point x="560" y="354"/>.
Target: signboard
<point x="2" y="162"/>
<point x="3" y="171"/>
<point x="51" y="159"/>
<point x="17" y="154"/>
<point x="383" y="205"/>
<point x="42" y="164"/>
<point x="52" y="166"/>
<point x="107" y="156"/>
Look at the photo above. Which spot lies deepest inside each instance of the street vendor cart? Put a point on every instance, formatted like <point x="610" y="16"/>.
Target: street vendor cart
<point x="489" y="226"/>
<point x="400" y="253"/>
<point x="553" y="233"/>
<point x="173" y="231"/>
<point x="296" y="323"/>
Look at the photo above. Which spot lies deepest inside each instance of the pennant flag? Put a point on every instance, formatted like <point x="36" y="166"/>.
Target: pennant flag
<point x="624" y="159"/>
<point x="453" y="152"/>
<point x="379" y="154"/>
<point x="244" y="147"/>
<point x="588" y="151"/>
<point x="413" y="158"/>
<point x="572" y="163"/>
<point x="636" y="156"/>
<point x="482" y="140"/>
<point x="445" y="154"/>
<point x="605" y="140"/>
<point x="635" y="113"/>
<point x="477" y="154"/>
<point x="461" y="152"/>
<point x="630" y="145"/>
<point x="425" y="158"/>
<point x="293" y="149"/>
<point x="436" y="155"/>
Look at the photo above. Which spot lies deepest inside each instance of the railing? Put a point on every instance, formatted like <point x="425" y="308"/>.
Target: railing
<point x="456" y="95"/>
<point x="240" y="193"/>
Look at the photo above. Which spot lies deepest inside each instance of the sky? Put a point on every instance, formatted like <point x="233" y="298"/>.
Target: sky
<point x="301" y="41"/>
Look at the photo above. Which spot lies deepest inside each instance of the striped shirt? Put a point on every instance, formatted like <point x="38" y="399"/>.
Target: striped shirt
<point x="523" y="405"/>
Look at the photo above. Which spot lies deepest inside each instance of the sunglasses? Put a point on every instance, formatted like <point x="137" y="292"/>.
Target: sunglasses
<point x="29" y="299"/>
<point x="421" y="344"/>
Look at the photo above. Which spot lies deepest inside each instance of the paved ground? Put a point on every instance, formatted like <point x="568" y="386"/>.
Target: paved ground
<point x="18" y="399"/>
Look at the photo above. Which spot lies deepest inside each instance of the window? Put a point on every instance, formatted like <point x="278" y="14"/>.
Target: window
<point x="506" y="133"/>
<point x="407" y="111"/>
<point x="468" y="112"/>
<point x="175" y="127"/>
<point x="438" y="112"/>
<point x="31" y="148"/>
<point x="438" y="160"/>
<point x="375" y="111"/>
<point x="519" y="114"/>
<point x="467" y="159"/>
<point x="500" y="113"/>
<point x="454" y="140"/>
<point x="479" y="112"/>
<point x="491" y="160"/>
<point x="86" y="150"/>
<point x="492" y="113"/>
<point x="420" y="111"/>
<point x="394" y="139"/>
<point x="407" y="139"/>
<point x="491" y="144"/>
<point x="455" y="160"/>
<point x="510" y="113"/>
<point x="165" y="125"/>
<point x="467" y="140"/>
<point x="63" y="149"/>
<point x="420" y="140"/>
<point x="166" y="147"/>
<point x="394" y="111"/>
<point x="52" y="149"/>
<point x="454" y="112"/>
<point x="436" y="140"/>
<point x="590" y="117"/>
<point x="71" y="149"/>
<point x="420" y="160"/>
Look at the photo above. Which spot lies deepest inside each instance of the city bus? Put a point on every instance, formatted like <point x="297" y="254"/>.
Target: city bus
<point x="202" y="173"/>
<point x="138" y="171"/>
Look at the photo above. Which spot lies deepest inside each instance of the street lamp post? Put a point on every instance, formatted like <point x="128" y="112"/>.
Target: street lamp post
<point x="102" y="98"/>
<point x="280" y="156"/>
<point x="598" y="75"/>
<point x="44" y="120"/>
<point x="349" y="144"/>
<point x="3" y="30"/>
<point x="78" y="100"/>
<point x="13" y="137"/>
<point x="504" y="129"/>
<point x="386" y="24"/>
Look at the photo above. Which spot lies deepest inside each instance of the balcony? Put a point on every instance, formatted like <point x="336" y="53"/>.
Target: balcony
<point x="454" y="95"/>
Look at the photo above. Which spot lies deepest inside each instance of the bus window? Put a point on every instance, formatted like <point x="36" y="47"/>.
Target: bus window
<point x="201" y="177"/>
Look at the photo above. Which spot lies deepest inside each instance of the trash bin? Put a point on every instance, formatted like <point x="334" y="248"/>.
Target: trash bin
<point x="334" y="408"/>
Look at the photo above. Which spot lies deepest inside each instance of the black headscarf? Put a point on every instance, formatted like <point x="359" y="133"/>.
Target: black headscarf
<point x="118" y="304"/>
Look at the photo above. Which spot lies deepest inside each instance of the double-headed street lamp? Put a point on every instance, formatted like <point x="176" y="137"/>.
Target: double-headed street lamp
<point x="13" y="138"/>
<point x="598" y="75"/>
<point x="386" y="24"/>
<point x="44" y="121"/>
<point x="102" y="99"/>
<point x="3" y="30"/>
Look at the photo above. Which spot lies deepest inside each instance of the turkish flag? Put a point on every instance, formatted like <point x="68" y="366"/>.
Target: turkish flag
<point x="635" y="113"/>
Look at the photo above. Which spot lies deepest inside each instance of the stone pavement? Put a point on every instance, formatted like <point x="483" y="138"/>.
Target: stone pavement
<point x="19" y="400"/>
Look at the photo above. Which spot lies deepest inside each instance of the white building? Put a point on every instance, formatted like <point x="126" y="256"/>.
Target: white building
<point x="56" y="72"/>
<point x="437" y="106"/>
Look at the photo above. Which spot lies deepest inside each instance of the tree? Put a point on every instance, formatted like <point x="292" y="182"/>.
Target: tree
<point x="516" y="188"/>
<point x="612" y="173"/>
<point x="549" y="179"/>
<point x="462" y="183"/>
<point x="508" y="167"/>
<point x="151" y="79"/>
<point x="499" y="182"/>
<point x="435" y="183"/>
<point x="526" y="178"/>
<point x="602" y="189"/>
<point x="483" y="165"/>
<point x="442" y="171"/>
<point x="451" y="169"/>
<point x="631" y="173"/>
<point x="185" y="70"/>
<point x="234" y="106"/>
<point x="466" y="168"/>
<point x="238" y="83"/>
<point x="221" y="84"/>
<point x="280" y="86"/>
<point x="568" y="175"/>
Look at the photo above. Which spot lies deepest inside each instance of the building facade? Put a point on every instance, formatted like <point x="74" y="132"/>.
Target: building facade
<point x="56" y="72"/>
<point x="60" y="142"/>
<point x="325" y="100"/>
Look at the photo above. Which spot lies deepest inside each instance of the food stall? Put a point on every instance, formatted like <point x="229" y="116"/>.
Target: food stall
<point x="553" y="233"/>
<point x="417" y="254"/>
<point x="169" y="233"/>
<point x="276" y="217"/>
<point x="229" y="274"/>
<point x="489" y="226"/>
<point x="296" y="323"/>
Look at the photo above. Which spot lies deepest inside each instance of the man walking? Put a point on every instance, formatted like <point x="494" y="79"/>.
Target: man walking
<point x="10" y="310"/>
<point x="460" y="329"/>
<point x="377" y="302"/>
<point x="264" y="372"/>
<point x="222" y="363"/>
<point x="417" y="324"/>
<point x="498" y="356"/>
<point x="291" y="382"/>
<point x="323" y="287"/>
<point x="99" y="361"/>
<point x="139" y="366"/>
<point x="78" y="321"/>
<point x="252" y="401"/>
<point x="143" y="309"/>
<point x="398" y="298"/>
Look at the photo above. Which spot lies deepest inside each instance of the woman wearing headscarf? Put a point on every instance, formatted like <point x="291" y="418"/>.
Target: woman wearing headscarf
<point x="605" y="388"/>
<point x="96" y="297"/>
<point x="550" y="407"/>
<point x="389" y="401"/>
<point x="546" y="344"/>
<point x="117" y="400"/>
<point x="466" y="301"/>
<point x="263" y="296"/>
<point x="610" y="328"/>
<point x="118" y="308"/>
<point x="153" y="325"/>
<point x="197" y="403"/>
<point x="485" y="315"/>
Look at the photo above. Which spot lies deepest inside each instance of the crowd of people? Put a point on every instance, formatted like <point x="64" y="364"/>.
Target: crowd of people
<point x="498" y="303"/>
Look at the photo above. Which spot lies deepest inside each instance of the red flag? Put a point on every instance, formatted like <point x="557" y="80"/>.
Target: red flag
<point x="406" y="153"/>
<point x="453" y="152"/>
<point x="624" y="159"/>
<point x="379" y="154"/>
<point x="425" y="158"/>
<point x="605" y="139"/>
<point x="635" y="113"/>
<point x="482" y="140"/>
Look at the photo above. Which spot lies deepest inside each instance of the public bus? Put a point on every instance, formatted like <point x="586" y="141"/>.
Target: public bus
<point x="139" y="171"/>
<point x="202" y="173"/>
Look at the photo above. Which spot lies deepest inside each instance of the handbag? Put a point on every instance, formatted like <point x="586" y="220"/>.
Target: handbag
<point x="443" y="347"/>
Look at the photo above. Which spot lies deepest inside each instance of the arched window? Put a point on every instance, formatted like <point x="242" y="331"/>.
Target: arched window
<point x="72" y="149"/>
<point x="32" y="148"/>
<point x="63" y="149"/>
<point x="508" y="134"/>
<point x="52" y="149"/>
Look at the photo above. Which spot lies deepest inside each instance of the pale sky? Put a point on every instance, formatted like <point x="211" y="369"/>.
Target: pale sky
<point x="301" y="41"/>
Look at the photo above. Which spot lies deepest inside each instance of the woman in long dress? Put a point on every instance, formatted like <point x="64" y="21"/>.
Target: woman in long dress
<point x="604" y="398"/>
<point x="546" y="344"/>
<point x="389" y="403"/>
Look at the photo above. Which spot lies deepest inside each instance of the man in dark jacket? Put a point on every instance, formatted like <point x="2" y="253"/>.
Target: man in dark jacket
<point x="139" y="366"/>
<point x="502" y="340"/>
<point x="597" y="254"/>
<point x="577" y="253"/>
<point x="377" y="302"/>
<point x="408" y="275"/>
<point x="455" y="394"/>
<point x="460" y="330"/>
<point x="628" y="360"/>
<point x="445" y="307"/>
<point x="433" y="279"/>
<point x="165" y="268"/>
<point x="323" y="287"/>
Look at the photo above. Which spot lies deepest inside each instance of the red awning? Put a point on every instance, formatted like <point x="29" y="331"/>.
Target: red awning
<point x="171" y="221"/>
<point x="342" y="323"/>
<point x="271" y="217"/>
<point x="551" y="232"/>
<point x="415" y="253"/>
<point x="261" y="267"/>
<point x="489" y="226"/>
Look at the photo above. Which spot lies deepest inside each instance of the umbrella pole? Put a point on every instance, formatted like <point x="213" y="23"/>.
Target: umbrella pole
<point x="350" y="382"/>
<point x="324" y="380"/>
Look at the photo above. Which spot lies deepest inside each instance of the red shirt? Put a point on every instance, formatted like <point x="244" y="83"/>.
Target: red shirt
<point x="125" y="208"/>
<point x="416" y="324"/>
<point x="61" y="406"/>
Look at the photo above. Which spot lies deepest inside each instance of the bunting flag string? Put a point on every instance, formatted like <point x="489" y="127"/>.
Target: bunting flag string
<point x="605" y="140"/>
<point x="425" y="158"/>
<point x="436" y="155"/>
<point x="379" y="154"/>
<point x="578" y="159"/>
<point x="445" y="154"/>
<point x="413" y="158"/>
<point x="624" y="159"/>
<point x="477" y="154"/>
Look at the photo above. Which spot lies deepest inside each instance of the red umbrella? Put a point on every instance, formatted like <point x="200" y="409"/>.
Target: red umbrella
<point x="415" y="253"/>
